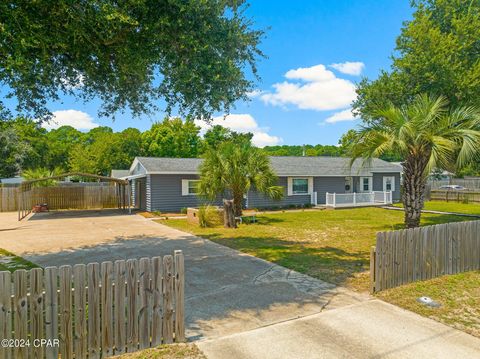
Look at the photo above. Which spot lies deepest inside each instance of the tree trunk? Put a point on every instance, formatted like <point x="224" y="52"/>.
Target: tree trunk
<point x="413" y="196"/>
<point x="238" y="203"/>
<point x="229" y="214"/>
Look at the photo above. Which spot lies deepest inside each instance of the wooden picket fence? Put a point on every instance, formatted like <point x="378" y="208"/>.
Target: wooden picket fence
<point x="410" y="255"/>
<point x="94" y="310"/>
<point x="8" y="199"/>
<point x="455" y="196"/>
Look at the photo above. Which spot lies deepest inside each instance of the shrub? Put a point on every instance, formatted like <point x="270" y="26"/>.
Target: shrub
<point x="208" y="216"/>
<point x="183" y="210"/>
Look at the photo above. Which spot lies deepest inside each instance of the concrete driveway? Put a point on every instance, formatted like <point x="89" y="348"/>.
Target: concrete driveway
<point x="240" y="306"/>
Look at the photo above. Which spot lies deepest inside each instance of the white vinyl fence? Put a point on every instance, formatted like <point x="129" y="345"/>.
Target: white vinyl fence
<point x="358" y="199"/>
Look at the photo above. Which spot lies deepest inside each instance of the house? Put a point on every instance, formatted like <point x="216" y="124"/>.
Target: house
<point x="119" y="173"/>
<point x="169" y="184"/>
<point x="12" y="181"/>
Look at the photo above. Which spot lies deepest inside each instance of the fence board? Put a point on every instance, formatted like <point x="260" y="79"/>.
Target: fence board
<point x="20" y="311"/>
<point x="423" y="253"/>
<point x="168" y="299"/>
<point x="97" y="310"/>
<point x="157" y="284"/>
<point x="132" y="303"/>
<point x="179" y="297"/>
<point x="5" y="312"/>
<point x="93" y="294"/>
<point x="36" y="310"/>
<point x="107" y="309"/>
<point x="65" y="304"/>
<point x="51" y="311"/>
<point x="145" y="304"/>
<point x="80" y="329"/>
<point x="119" y="307"/>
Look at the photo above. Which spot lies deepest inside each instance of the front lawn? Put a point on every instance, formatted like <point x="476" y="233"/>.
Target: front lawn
<point x="11" y="262"/>
<point x="459" y="296"/>
<point x="442" y="206"/>
<point x="332" y="245"/>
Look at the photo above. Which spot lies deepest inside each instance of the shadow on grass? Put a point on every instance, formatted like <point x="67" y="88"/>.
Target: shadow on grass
<point x="331" y="264"/>
<point x="432" y="219"/>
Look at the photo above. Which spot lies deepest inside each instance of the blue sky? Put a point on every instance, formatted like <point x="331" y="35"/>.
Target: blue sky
<point x="301" y="97"/>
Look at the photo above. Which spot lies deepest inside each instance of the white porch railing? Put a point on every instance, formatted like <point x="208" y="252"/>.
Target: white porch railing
<point x="358" y="199"/>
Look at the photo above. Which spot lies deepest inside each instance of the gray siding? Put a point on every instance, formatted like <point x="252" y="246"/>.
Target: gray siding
<point x="378" y="183"/>
<point x="139" y="191"/>
<point x="258" y="200"/>
<point x="166" y="194"/>
<point x="322" y="185"/>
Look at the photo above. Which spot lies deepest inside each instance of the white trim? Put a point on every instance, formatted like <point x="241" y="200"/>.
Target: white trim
<point x="385" y="183"/>
<point x="370" y="179"/>
<point x="135" y="176"/>
<point x="186" y="186"/>
<point x="290" y="186"/>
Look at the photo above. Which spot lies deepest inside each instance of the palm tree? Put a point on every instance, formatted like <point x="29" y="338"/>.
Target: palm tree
<point x="427" y="135"/>
<point x="232" y="169"/>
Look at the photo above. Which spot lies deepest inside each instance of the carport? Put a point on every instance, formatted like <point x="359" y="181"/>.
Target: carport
<point x="97" y="192"/>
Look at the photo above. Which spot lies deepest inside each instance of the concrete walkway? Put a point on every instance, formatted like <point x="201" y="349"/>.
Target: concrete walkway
<point x="226" y="291"/>
<point x="372" y="329"/>
<point x="238" y="306"/>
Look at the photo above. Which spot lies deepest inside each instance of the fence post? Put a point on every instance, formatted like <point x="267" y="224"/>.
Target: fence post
<point x="179" y="297"/>
<point x="372" y="269"/>
<point x="385" y="197"/>
<point x="354" y="198"/>
<point x="334" y="199"/>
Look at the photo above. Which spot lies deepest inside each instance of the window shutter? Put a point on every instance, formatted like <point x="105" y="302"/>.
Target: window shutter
<point x="310" y="185"/>
<point x="289" y="186"/>
<point x="184" y="187"/>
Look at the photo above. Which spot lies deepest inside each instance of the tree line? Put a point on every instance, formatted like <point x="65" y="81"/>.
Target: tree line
<point x="26" y="146"/>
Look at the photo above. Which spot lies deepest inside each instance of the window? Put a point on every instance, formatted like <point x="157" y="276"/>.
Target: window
<point x="365" y="184"/>
<point x="300" y="186"/>
<point x="193" y="187"/>
<point x="189" y="187"/>
<point x="389" y="183"/>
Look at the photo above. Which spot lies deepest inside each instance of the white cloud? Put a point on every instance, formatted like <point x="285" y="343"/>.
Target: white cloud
<point x="242" y="123"/>
<point x="342" y="116"/>
<point x="77" y="119"/>
<point x="349" y="68"/>
<point x="255" y="93"/>
<point x="314" y="73"/>
<point x="317" y="89"/>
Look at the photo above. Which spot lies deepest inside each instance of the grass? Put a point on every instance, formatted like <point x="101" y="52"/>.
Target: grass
<point x="11" y="262"/>
<point x="459" y="296"/>
<point x="332" y="245"/>
<point x="442" y="206"/>
<point x="171" y="351"/>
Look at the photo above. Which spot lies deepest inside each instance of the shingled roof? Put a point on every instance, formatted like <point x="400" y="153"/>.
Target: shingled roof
<point x="283" y="166"/>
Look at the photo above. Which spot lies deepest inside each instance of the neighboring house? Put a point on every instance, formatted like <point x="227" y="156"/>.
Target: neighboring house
<point x="12" y="181"/>
<point x="119" y="173"/>
<point x="169" y="184"/>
